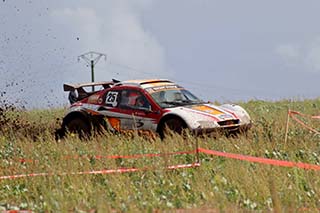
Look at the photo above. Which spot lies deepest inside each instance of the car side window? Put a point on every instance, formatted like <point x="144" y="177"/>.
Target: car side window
<point x="132" y="99"/>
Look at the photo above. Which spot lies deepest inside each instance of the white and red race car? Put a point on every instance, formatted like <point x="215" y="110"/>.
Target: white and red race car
<point x="147" y="105"/>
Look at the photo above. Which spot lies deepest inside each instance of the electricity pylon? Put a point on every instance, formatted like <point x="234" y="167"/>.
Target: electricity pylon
<point x="92" y="59"/>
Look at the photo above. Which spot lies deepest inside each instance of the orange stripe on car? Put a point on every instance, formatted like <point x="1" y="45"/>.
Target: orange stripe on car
<point x="92" y="112"/>
<point x="115" y="123"/>
<point x="207" y="109"/>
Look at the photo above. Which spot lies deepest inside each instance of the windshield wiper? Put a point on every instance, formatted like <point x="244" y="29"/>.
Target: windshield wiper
<point x="192" y="101"/>
<point x="182" y="102"/>
<point x="175" y="103"/>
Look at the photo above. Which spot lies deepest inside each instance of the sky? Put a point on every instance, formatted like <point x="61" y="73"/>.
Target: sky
<point x="221" y="50"/>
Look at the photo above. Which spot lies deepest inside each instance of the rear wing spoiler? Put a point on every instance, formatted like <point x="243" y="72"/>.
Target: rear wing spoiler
<point x="77" y="91"/>
<point x="73" y="87"/>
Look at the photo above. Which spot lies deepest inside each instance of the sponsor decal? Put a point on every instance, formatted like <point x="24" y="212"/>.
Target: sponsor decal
<point x="225" y="116"/>
<point x="100" y="100"/>
<point x="92" y="112"/>
<point x="84" y="107"/>
<point x="161" y="88"/>
<point x="139" y="124"/>
<point x="93" y="99"/>
<point x="115" y="123"/>
<point x="207" y="109"/>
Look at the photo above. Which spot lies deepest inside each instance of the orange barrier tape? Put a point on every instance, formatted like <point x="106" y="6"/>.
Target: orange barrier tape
<point x="248" y="158"/>
<point x="98" y="157"/>
<point x="268" y="161"/>
<point x="108" y="171"/>
<point x="131" y="156"/>
<point x="292" y="113"/>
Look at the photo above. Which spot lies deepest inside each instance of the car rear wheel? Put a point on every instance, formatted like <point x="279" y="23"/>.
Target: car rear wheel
<point x="78" y="126"/>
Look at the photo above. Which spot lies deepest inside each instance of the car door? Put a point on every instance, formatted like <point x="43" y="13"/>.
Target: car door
<point x="136" y="110"/>
<point x="129" y="109"/>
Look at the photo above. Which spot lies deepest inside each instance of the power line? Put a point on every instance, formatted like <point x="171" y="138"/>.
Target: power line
<point x="92" y="59"/>
<point x="140" y="71"/>
<point x="201" y="85"/>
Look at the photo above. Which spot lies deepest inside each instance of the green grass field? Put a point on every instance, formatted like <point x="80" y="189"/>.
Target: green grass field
<point x="219" y="184"/>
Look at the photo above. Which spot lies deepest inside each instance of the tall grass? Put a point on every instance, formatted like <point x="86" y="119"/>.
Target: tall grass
<point x="219" y="184"/>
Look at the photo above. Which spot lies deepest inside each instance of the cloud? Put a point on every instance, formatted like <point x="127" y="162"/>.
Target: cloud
<point x="305" y="56"/>
<point x="40" y="55"/>
<point x="85" y="19"/>
<point x="289" y="53"/>
<point x="117" y="30"/>
<point x="312" y="58"/>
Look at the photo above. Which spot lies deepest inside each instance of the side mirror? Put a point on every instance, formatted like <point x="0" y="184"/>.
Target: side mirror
<point x="146" y="110"/>
<point x="150" y="110"/>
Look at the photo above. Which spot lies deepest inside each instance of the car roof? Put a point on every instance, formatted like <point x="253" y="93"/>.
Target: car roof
<point x="146" y="83"/>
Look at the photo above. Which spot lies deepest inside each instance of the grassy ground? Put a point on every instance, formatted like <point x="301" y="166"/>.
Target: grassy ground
<point x="219" y="184"/>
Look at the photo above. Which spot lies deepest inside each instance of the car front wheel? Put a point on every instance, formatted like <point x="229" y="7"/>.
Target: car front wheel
<point x="172" y="125"/>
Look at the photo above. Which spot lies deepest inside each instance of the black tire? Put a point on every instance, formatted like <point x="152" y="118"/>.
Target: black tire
<point x="78" y="126"/>
<point x="60" y="133"/>
<point x="172" y="125"/>
<point x="99" y="126"/>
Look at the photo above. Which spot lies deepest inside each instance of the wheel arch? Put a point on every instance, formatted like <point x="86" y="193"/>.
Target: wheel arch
<point x="167" y="117"/>
<point x="76" y="114"/>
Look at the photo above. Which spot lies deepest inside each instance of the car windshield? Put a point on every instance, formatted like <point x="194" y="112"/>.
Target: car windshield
<point x="175" y="97"/>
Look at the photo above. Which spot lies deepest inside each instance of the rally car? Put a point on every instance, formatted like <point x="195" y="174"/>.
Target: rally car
<point x="155" y="105"/>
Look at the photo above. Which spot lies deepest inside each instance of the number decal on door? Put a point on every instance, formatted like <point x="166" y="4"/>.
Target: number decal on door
<point x="112" y="98"/>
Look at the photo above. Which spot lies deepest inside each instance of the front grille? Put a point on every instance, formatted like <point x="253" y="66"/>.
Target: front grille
<point x="229" y="122"/>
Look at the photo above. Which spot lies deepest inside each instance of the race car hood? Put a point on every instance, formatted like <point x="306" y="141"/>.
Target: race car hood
<point x="204" y="115"/>
<point x="210" y="110"/>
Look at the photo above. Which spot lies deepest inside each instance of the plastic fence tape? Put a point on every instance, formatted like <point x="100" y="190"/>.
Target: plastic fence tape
<point x="95" y="172"/>
<point x="247" y="158"/>
<point x="267" y="161"/>
<point x="98" y="157"/>
<point x="292" y="115"/>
